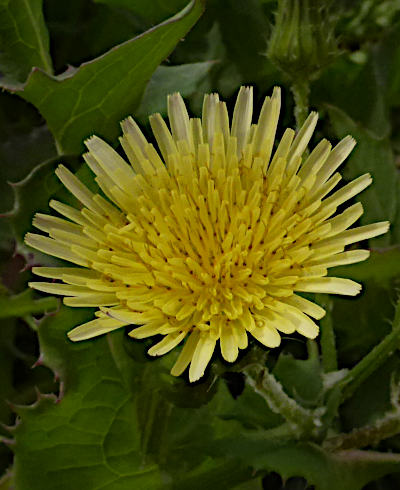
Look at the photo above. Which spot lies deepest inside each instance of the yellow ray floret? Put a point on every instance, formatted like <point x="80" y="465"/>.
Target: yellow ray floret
<point x="211" y="239"/>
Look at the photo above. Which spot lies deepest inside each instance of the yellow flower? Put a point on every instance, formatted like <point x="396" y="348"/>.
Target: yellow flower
<point x="211" y="239"/>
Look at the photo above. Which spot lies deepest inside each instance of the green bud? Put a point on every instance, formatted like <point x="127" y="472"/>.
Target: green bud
<point x="303" y="40"/>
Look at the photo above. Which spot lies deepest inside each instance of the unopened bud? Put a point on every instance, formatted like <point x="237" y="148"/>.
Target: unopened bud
<point x="303" y="40"/>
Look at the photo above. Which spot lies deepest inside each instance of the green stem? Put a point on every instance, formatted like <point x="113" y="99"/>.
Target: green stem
<point x="312" y="349"/>
<point x="373" y="360"/>
<point x="304" y="423"/>
<point x="328" y="344"/>
<point x="301" y="92"/>
<point x="369" y="435"/>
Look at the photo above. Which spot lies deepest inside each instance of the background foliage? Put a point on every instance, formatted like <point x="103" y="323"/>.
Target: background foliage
<point x="100" y="414"/>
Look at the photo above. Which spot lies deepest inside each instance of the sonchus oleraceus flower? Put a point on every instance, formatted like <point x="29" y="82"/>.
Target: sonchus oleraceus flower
<point x="209" y="240"/>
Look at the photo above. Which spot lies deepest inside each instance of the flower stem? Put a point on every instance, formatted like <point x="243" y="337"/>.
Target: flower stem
<point x="369" y="435"/>
<point x="304" y="423"/>
<point x="301" y="92"/>
<point x="373" y="360"/>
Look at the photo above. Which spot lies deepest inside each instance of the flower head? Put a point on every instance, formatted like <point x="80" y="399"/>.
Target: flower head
<point x="210" y="240"/>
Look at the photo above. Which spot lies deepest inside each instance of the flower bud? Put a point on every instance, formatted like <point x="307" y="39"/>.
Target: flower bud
<point x="303" y="40"/>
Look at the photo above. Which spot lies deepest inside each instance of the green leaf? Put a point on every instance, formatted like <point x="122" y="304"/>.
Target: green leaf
<point x="374" y="359"/>
<point x="360" y="323"/>
<point x="250" y="410"/>
<point x="111" y="427"/>
<point x="372" y="155"/>
<point x="166" y="80"/>
<point x="95" y="97"/>
<point x="24" y="304"/>
<point x="347" y="470"/>
<point x="253" y="484"/>
<point x="357" y="90"/>
<point x="246" y="48"/>
<point x="372" y="399"/>
<point x="90" y="438"/>
<point x="25" y="142"/>
<point x="151" y="12"/>
<point x="301" y="378"/>
<point x="32" y="194"/>
<point x="382" y="267"/>
<point x="24" y="40"/>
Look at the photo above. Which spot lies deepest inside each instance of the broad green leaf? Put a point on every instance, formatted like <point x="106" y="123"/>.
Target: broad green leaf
<point x="95" y="97"/>
<point x="112" y="427"/>
<point x="347" y="470"/>
<point x="372" y="155"/>
<point x="90" y="438"/>
<point x="150" y="12"/>
<point x="166" y="80"/>
<point x="24" y="304"/>
<point x="24" y="40"/>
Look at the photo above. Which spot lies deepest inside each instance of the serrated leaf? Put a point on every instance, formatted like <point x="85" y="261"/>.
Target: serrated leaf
<point x="372" y="155"/>
<point x="95" y="97"/>
<point x="112" y="423"/>
<point x="32" y="194"/>
<point x="24" y="40"/>
<point x="347" y="470"/>
<point x="89" y="439"/>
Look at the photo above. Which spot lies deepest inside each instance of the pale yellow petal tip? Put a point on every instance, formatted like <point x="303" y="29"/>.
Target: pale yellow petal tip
<point x="73" y="337"/>
<point x="126" y="123"/>
<point x="276" y="92"/>
<point x="312" y="118"/>
<point x="356" y="290"/>
<point x="77" y="335"/>
<point x="174" y="96"/>
<point x="385" y="227"/>
<point x="245" y="88"/>
<point x="91" y="139"/>
<point x="350" y="141"/>
<point x="27" y="238"/>
<point x="61" y="168"/>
